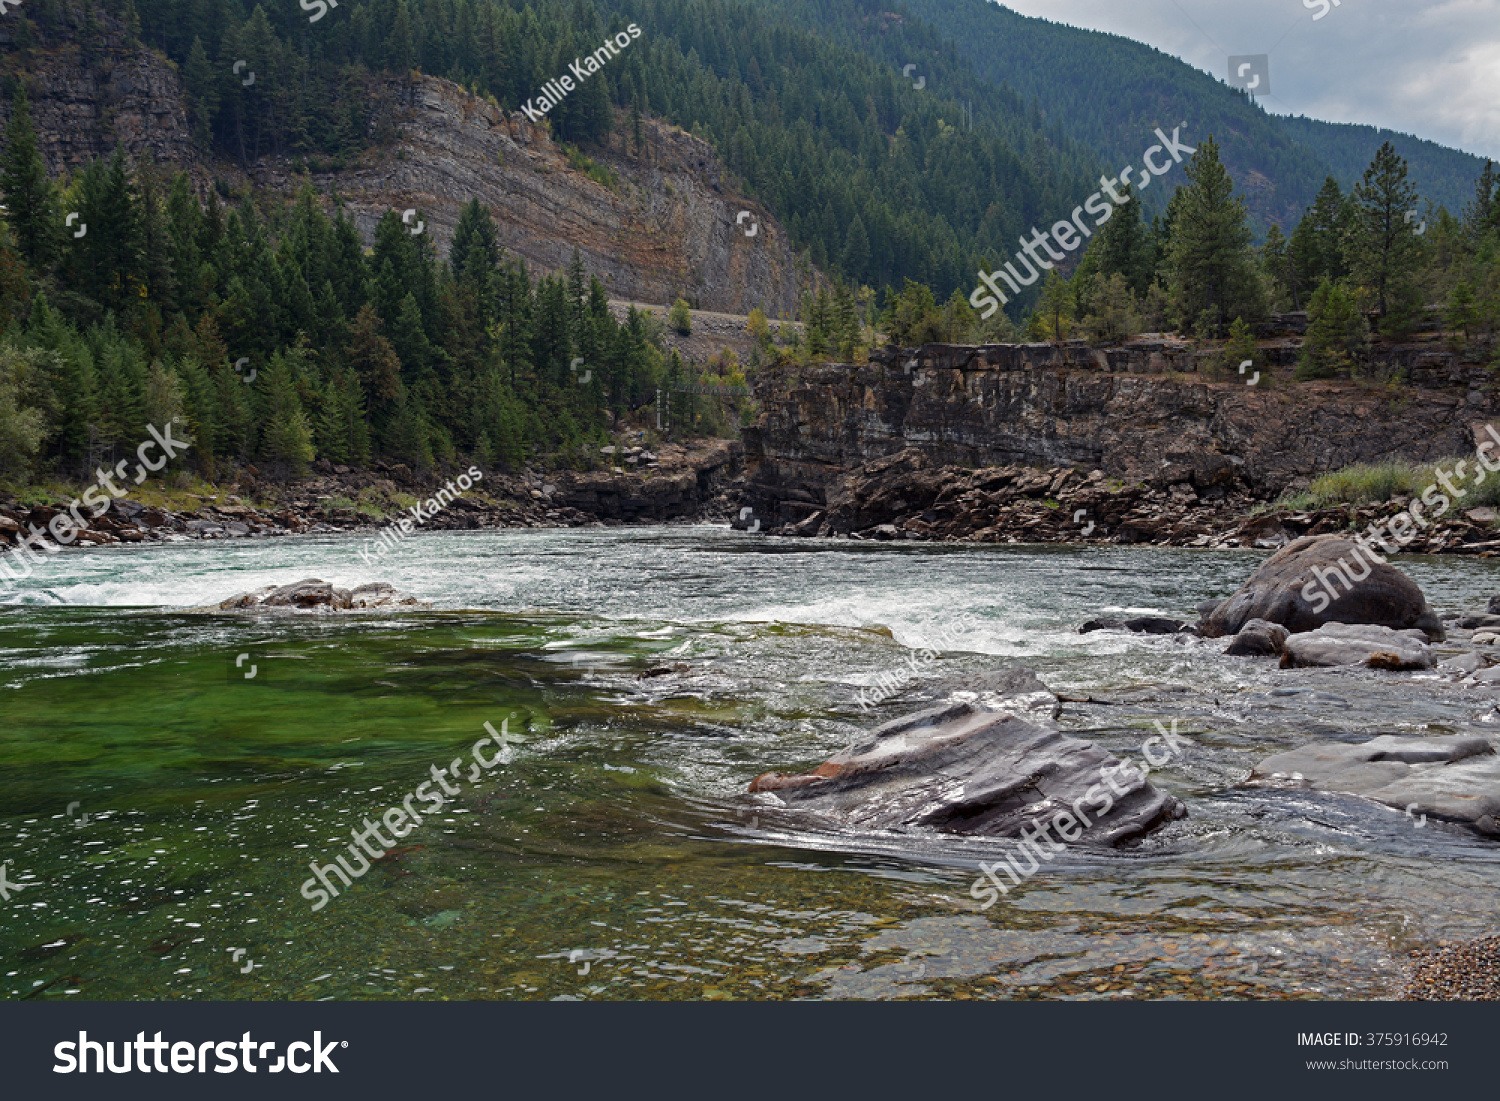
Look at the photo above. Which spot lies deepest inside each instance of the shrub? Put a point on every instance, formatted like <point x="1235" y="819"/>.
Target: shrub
<point x="1336" y="332"/>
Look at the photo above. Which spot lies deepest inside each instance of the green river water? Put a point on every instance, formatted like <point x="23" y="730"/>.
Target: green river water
<point x="159" y="809"/>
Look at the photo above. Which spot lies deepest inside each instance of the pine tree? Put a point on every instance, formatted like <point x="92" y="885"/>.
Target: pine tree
<point x="1281" y="276"/>
<point x="1242" y="354"/>
<point x="1328" y="222"/>
<point x="1383" y="243"/>
<point x="1055" y="311"/>
<point x="202" y="88"/>
<point x="30" y="201"/>
<point x="1336" y="333"/>
<point x="1483" y="214"/>
<point x="1463" y="311"/>
<point x="855" y="258"/>
<point x="287" y="439"/>
<point x="1123" y="246"/>
<point x="1212" y="273"/>
<point x="1115" y="315"/>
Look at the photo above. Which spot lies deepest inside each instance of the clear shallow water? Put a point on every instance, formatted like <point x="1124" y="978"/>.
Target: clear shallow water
<point x="654" y="673"/>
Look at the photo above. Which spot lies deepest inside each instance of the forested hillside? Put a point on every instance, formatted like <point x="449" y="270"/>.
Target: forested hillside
<point x="1109" y="92"/>
<point x="267" y="324"/>
<point x="877" y="180"/>
<point x="1443" y="176"/>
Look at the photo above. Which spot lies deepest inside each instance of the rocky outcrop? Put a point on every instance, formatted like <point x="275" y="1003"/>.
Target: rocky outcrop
<point x="669" y="227"/>
<point x="667" y="224"/>
<point x="1140" y="415"/>
<point x="83" y="106"/>
<point x="1324" y="579"/>
<point x="965" y="769"/>
<point x="1455" y="778"/>
<point x="313" y="595"/>
<point x="676" y="485"/>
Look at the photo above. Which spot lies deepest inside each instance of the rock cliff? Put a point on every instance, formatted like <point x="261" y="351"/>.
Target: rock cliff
<point x="85" y="102"/>
<point x="669" y="227"/>
<point x="1140" y="414"/>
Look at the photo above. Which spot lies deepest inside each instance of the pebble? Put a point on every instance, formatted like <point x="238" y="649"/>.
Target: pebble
<point x="1459" y="973"/>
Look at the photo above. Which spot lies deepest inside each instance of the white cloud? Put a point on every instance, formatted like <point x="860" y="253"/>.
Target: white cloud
<point x="1429" y="69"/>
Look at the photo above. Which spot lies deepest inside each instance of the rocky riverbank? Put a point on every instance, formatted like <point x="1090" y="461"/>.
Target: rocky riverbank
<point x="909" y="496"/>
<point x="675" y="483"/>
<point x="1151" y="442"/>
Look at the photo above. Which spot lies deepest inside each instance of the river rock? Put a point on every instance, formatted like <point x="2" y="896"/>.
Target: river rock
<point x="1358" y="644"/>
<point x="1454" y="778"/>
<point x="1015" y="689"/>
<point x="1276" y="592"/>
<point x="1258" y="638"/>
<point x="965" y="769"/>
<point x="1471" y="662"/>
<point x="1142" y="625"/>
<point x="316" y="596"/>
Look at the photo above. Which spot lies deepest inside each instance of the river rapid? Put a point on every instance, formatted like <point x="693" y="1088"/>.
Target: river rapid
<point x="160" y="805"/>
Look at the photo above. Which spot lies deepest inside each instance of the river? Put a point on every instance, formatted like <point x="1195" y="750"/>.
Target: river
<point x="160" y="805"/>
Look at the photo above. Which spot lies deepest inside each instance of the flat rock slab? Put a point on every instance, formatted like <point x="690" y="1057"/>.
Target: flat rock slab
<point x="1358" y="644"/>
<point x="313" y="595"/>
<point x="969" y="770"/>
<point x="1455" y="778"/>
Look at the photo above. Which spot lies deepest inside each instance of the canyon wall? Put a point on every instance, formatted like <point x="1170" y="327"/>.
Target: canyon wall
<point x="1139" y="413"/>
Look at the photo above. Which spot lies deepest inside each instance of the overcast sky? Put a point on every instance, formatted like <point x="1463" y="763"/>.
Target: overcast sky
<point x="1424" y="67"/>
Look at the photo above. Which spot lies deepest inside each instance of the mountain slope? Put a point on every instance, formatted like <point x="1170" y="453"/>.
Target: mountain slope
<point x="1443" y="175"/>
<point x="1111" y="92"/>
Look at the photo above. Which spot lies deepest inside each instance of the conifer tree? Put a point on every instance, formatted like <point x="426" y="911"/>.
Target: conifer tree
<point x="1383" y="244"/>
<point x="30" y="201"/>
<point x="1212" y="276"/>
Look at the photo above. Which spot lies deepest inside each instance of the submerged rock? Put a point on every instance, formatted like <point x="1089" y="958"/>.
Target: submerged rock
<point x="1324" y="579"/>
<point x="1142" y="625"/>
<point x="317" y="596"/>
<point x="1358" y="644"/>
<point x="1454" y="778"/>
<point x="965" y="769"/>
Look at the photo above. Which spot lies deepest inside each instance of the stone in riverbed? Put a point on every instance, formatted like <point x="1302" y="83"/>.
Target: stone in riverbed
<point x="1470" y="662"/>
<point x="1454" y="778"/>
<point x="1259" y="639"/>
<point x="1142" y="625"/>
<point x="963" y="769"/>
<point x="1358" y="644"/>
<point x="1289" y="588"/>
<point x="316" y="596"/>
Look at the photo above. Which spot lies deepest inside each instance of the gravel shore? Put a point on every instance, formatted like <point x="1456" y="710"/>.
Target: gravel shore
<point x="1457" y="973"/>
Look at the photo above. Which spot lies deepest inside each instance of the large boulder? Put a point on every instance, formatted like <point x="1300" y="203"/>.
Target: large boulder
<point x="1324" y="579"/>
<point x="965" y="769"/>
<point x="1454" y="778"/>
<point x="1358" y="644"/>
